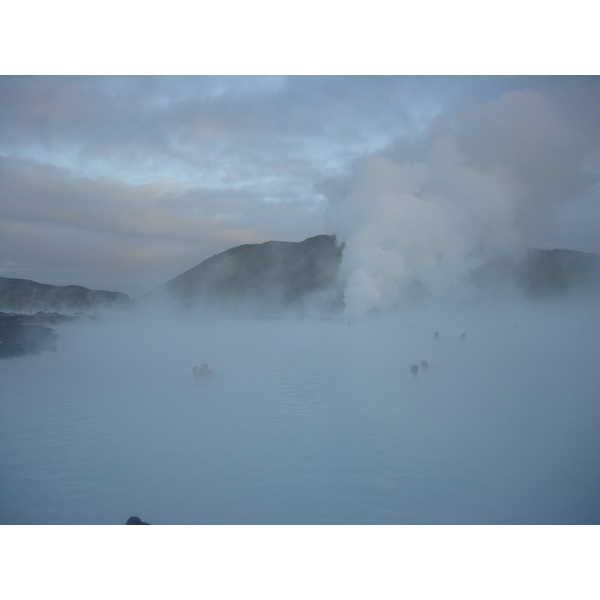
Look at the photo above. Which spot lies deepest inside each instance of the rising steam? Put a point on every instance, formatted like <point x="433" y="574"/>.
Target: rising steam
<point x="418" y="219"/>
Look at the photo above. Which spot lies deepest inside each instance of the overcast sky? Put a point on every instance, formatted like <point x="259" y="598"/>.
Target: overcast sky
<point x="122" y="183"/>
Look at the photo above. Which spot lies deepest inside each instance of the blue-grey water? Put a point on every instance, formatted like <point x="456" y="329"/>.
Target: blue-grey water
<point x="308" y="421"/>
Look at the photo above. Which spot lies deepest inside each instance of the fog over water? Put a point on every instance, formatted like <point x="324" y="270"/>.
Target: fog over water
<point x="309" y="421"/>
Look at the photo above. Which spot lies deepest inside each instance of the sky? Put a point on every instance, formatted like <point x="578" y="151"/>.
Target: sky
<point x="123" y="182"/>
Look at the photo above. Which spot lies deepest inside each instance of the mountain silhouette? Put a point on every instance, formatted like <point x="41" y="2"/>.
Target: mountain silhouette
<point x="266" y="277"/>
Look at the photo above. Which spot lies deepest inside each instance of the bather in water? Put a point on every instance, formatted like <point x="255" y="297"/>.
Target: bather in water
<point x="135" y="521"/>
<point x="203" y="371"/>
<point x="414" y="369"/>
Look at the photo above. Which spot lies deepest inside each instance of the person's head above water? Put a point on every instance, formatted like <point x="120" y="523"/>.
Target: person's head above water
<point x="202" y="370"/>
<point x="135" y="521"/>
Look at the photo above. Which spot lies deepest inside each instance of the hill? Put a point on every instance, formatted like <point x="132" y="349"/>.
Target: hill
<point x="303" y="276"/>
<point x="261" y="278"/>
<point x="542" y="273"/>
<point x="23" y="295"/>
<point x="299" y="276"/>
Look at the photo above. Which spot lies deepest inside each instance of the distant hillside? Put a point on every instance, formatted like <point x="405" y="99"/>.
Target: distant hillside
<point x="273" y="276"/>
<point x="301" y="276"/>
<point x="22" y="295"/>
<point x="262" y="278"/>
<point x="554" y="272"/>
<point x="542" y="273"/>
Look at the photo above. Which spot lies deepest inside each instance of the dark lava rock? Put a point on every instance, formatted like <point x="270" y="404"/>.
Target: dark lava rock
<point x="19" y="335"/>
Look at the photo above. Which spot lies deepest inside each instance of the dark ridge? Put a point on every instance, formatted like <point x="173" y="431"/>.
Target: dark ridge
<point x="262" y="277"/>
<point x="23" y="295"/>
<point x="290" y="275"/>
<point x="542" y="273"/>
<point x="554" y="272"/>
<point x="300" y="276"/>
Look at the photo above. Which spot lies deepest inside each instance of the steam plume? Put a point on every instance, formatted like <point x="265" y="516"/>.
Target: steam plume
<point x="417" y="219"/>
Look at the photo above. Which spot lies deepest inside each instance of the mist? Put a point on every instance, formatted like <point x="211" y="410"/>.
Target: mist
<point x="419" y="218"/>
<point x="309" y="420"/>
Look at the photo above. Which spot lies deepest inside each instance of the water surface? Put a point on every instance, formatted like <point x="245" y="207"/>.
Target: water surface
<point x="307" y="422"/>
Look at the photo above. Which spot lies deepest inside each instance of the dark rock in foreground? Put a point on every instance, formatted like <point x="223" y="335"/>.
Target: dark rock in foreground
<point x="23" y="334"/>
<point x="30" y="334"/>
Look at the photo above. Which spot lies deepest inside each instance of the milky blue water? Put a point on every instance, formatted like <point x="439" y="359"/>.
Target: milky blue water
<point x="308" y="422"/>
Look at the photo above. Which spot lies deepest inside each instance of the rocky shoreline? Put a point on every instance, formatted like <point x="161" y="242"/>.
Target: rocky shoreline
<point x="29" y="334"/>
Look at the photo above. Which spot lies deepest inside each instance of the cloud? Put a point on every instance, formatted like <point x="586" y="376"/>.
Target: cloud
<point x="54" y="221"/>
